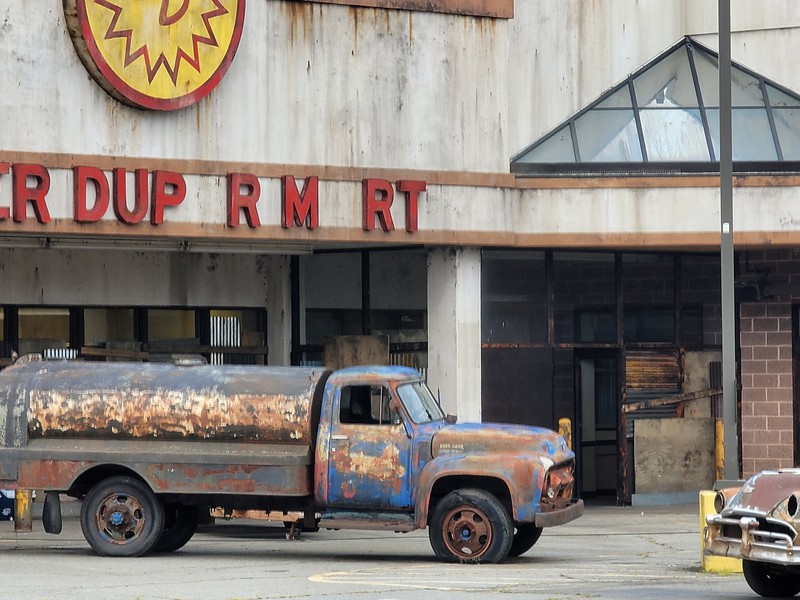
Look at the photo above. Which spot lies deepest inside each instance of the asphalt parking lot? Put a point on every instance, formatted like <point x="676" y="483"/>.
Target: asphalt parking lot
<point x="611" y="552"/>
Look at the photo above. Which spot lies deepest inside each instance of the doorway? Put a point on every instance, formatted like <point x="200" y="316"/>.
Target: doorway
<point x="596" y="404"/>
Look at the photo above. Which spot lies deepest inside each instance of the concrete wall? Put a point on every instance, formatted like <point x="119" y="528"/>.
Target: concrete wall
<point x="124" y="278"/>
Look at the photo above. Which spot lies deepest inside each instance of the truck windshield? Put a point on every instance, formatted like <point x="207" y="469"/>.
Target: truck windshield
<point x="420" y="403"/>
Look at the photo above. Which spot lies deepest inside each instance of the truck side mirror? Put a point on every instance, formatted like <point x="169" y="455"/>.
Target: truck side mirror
<point x="451" y="419"/>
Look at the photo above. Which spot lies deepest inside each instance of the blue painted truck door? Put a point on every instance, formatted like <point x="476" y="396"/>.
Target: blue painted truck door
<point x="370" y="451"/>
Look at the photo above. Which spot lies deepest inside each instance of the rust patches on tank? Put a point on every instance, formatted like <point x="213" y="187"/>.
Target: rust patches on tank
<point x="169" y="414"/>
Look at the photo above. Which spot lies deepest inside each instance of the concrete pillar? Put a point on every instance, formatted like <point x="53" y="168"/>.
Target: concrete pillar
<point x="454" y="330"/>
<point x="279" y="313"/>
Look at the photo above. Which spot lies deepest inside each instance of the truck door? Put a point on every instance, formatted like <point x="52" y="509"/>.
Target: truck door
<point x="370" y="451"/>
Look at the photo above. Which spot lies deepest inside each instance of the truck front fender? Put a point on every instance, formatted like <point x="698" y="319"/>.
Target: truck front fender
<point x="522" y="477"/>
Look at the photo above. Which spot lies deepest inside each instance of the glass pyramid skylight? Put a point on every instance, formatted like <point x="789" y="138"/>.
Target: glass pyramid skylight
<point x="664" y="118"/>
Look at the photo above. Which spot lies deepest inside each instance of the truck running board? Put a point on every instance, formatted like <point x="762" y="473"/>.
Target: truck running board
<point x="367" y="520"/>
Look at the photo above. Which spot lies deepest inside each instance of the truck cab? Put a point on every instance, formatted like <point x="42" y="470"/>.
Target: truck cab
<point x="388" y="457"/>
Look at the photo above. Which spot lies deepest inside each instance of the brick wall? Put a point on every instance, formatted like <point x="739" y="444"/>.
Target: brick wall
<point x="767" y="386"/>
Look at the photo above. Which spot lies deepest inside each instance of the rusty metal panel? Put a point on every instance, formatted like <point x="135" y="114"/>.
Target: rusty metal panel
<point x="161" y="401"/>
<point x="170" y="466"/>
<point x="653" y="370"/>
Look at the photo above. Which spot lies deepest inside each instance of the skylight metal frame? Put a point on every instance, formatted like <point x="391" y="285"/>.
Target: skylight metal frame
<point x="580" y="167"/>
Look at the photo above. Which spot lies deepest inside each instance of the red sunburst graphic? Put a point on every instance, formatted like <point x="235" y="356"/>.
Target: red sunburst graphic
<point x="152" y="66"/>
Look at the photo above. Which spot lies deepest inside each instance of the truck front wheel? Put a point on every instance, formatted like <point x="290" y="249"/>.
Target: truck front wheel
<point x="524" y="539"/>
<point x="121" y="516"/>
<point x="471" y="526"/>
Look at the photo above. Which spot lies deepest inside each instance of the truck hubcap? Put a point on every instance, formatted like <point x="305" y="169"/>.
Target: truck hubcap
<point x="467" y="532"/>
<point x="120" y="518"/>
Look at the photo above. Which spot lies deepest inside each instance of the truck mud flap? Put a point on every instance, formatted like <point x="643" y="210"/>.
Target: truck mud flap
<point x="51" y="513"/>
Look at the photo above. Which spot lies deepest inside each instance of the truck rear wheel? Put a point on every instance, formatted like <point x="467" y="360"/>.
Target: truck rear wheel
<point x="471" y="526"/>
<point x="180" y="524"/>
<point x="121" y="516"/>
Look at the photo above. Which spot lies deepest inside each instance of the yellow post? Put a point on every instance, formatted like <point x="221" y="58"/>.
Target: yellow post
<point x="719" y="449"/>
<point x="714" y="564"/>
<point x="23" y="511"/>
<point x="565" y="429"/>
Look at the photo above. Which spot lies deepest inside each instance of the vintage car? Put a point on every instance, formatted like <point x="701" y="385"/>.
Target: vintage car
<point x="760" y="523"/>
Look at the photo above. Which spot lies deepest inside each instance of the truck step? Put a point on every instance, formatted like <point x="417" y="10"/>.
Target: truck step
<point x="367" y="520"/>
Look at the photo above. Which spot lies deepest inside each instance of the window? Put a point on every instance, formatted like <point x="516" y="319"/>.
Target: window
<point x="514" y="297"/>
<point x="366" y="405"/>
<point x="648" y="282"/>
<point x="45" y="331"/>
<point x="668" y="112"/>
<point x="585" y="290"/>
<point x="109" y="327"/>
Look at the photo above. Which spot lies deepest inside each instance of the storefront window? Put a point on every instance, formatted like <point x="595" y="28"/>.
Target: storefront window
<point x="45" y="331"/>
<point x="230" y="329"/>
<point x="513" y="297"/>
<point x="584" y="286"/>
<point x="170" y="325"/>
<point x="106" y="326"/>
<point x="648" y="282"/>
<point x="701" y="315"/>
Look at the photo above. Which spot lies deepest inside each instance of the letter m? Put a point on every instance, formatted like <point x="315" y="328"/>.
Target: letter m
<point x="300" y="208"/>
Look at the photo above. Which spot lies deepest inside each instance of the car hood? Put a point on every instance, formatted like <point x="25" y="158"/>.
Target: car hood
<point x="476" y="438"/>
<point x="766" y="493"/>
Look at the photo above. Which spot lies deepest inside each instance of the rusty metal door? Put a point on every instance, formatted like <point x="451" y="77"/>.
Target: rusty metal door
<point x="370" y="451"/>
<point x="649" y="374"/>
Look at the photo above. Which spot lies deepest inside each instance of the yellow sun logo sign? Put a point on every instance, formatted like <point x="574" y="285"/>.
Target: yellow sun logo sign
<point x="156" y="54"/>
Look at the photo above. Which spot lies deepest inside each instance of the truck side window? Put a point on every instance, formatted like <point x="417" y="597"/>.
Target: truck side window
<point x="367" y="405"/>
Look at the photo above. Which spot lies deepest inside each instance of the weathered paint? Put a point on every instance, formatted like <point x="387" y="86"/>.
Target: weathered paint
<point x="364" y="465"/>
<point x="160" y="417"/>
<point x="161" y="401"/>
<point x="761" y="522"/>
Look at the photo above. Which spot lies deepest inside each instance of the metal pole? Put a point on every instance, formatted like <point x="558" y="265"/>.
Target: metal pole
<point x="731" y="440"/>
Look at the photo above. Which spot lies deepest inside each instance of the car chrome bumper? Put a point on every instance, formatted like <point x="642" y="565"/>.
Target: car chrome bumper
<point x="752" y="543"/>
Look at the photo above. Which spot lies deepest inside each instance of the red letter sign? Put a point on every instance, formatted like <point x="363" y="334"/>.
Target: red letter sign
<point x="81" y="178"/>
<point x="373" y="205"/>
<point x="411" y="189"/>
<point x="35" y="195"/>
<point x="125" y="215"/>
<point x="239" y="201"/>
<point x="163" y="196"/>
<point x="5" y="212"/>
<point x="300" y="208"/>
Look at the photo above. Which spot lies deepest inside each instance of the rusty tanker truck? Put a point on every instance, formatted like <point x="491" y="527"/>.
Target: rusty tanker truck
<point x="151" y="448"/>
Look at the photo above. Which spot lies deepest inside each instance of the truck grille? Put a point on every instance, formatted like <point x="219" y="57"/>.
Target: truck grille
<point x="558" y="486"/>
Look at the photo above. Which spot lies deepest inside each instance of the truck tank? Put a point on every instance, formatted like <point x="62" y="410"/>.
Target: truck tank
<point x="164" y="407"/>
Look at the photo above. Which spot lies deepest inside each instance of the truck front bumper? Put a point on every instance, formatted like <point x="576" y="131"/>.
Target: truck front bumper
<point x="559" y="516"/>
<point x="742" y="538"/>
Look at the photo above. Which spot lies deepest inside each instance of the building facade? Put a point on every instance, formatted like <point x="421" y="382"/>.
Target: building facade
<point x="248" y="180"/>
